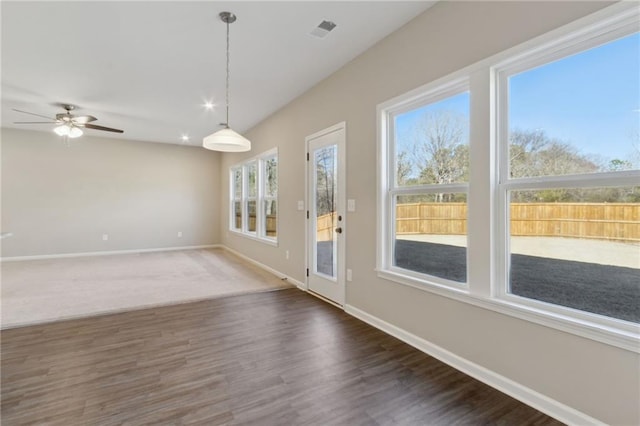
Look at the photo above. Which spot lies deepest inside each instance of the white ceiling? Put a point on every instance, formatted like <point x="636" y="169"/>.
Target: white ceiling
<point x="148" y="67"/>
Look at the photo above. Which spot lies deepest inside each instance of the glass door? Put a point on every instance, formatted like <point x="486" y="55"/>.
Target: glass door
<point x="326" y="213"/>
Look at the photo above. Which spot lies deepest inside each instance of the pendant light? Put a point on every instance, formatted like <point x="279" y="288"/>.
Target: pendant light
<point x="227" y="140"/>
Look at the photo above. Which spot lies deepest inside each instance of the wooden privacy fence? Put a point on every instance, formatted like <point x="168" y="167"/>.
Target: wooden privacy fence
<point x="325" y="228"/>
<point x="271" y="223"/>
<point x="607" y="221"/>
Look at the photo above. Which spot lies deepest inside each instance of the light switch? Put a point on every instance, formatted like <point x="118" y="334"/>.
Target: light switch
<point x="351" y="205"/>
<point x="300" y="205"/>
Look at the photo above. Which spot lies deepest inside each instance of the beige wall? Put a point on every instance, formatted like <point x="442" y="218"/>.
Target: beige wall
<point x="60" y="199"/>
<point x="595" y="378"/>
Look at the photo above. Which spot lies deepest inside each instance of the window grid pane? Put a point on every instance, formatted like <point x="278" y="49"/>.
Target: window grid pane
<point x="578" y="114"/>
<point x="430" y="235"/>
<point x="431" y="143"/>
<point x="270" y="217"/>
<point x="578" y="248"/>
<point x="237" y="184"/>
<point x="271" y="176"/>
<point x="252" y="180"/>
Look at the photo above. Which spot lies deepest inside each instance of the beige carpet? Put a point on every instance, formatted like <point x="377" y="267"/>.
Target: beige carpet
<point x="37" y="291"/>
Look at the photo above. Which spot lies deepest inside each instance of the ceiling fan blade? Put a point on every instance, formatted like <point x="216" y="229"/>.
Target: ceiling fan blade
<point x="31" y="113"/>
<point x="96" y="127"/>
<point x="83" y="119"/>
<point x="34" y="122"/>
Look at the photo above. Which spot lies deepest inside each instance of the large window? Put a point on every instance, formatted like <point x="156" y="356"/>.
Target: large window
<point x="251" y="192"/>
<point x="514" y="184"/>
<point x="270" y="197"/>
<point x="569" y="139"/>
<point x="236" y="198"/>
<point x="427" y="186"/>
<point x="253" y="197"/>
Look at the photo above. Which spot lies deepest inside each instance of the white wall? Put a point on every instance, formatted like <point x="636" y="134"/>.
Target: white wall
<point x="59" y="199"/>
<point x="594" y="378"/>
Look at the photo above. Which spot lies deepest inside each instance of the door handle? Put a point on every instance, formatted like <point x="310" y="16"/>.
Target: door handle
<point x="338" y="230"/>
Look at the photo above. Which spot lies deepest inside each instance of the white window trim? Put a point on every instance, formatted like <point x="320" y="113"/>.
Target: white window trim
<point x="263" y="193"/>
<point x="486" y="287"/>
<point x="235" y="198"/>
<point x="404" y="103"/>
<point x="260" y="233"/>
<point x="246" y="198"/>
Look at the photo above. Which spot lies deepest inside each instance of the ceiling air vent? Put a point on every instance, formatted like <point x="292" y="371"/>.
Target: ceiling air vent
<point x="323" y="29"/>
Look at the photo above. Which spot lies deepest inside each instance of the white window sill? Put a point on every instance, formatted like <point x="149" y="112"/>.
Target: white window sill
<point x="269" y="241"/>
<point x="627" y="336"/>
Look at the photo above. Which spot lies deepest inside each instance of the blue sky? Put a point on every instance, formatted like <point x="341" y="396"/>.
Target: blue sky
<point x="590" y="100"/>
<point x="405" y="123"/>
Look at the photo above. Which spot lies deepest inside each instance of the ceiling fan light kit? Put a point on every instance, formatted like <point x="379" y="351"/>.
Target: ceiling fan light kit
<point x="68" y="125"/>
<point x="68" y="130"/>
<point x="227" y="140"/>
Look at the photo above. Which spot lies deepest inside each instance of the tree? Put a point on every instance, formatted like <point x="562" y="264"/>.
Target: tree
<point x="325" y="182"/>
<point x="441" y="149"/>
<point x="617" y="165"/>
<point x="437" y="153"/>
<point x="271" y="173"/>
<point x="404" y="169"/>
<point x="532" y="153"/>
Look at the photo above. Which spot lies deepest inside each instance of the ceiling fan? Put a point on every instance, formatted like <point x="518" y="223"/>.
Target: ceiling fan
<point x="68" y="124"/>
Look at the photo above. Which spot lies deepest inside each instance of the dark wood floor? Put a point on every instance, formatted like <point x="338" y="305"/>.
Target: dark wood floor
<point x="276" y="358"/>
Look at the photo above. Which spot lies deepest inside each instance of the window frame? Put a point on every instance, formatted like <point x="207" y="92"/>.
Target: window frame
<point x="403" y="104"/>
<point x="578" y="42"/>
<point x="247" y="198"/>
<point x="260" y="230"/>
<point x="265" y="197"/>
<point x="235" y="198"/>
<point x="488" y="231"/>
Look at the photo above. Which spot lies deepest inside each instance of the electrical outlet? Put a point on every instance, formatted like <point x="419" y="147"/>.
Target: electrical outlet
<point x="179" y="234"/>
<point x="349" y="275"/>
<point x="105" y="237"/>
<point x="286" y="254"/>
<point x="300" y="205"/>
<point x="351" y="205"/>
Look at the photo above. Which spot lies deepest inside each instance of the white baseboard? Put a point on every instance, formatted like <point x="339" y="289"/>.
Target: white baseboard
<point x="275" y="272"/>
<point x="522" y="393"/>
<point x="105" y="253"/>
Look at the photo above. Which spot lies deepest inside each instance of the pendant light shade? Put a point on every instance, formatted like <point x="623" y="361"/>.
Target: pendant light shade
<point x="227" y="140"/>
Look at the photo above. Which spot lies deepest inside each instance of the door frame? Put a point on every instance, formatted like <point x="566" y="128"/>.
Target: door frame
<point x="341" y="210"/>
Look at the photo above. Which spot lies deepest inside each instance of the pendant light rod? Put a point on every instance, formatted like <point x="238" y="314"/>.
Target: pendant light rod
<point x="227" y="18"/>
<point x="226" y="140"/>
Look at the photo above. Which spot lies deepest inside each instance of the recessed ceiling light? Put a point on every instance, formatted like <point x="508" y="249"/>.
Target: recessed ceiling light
<point x="185" y="138"/>
<point x="208" y="105"/>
